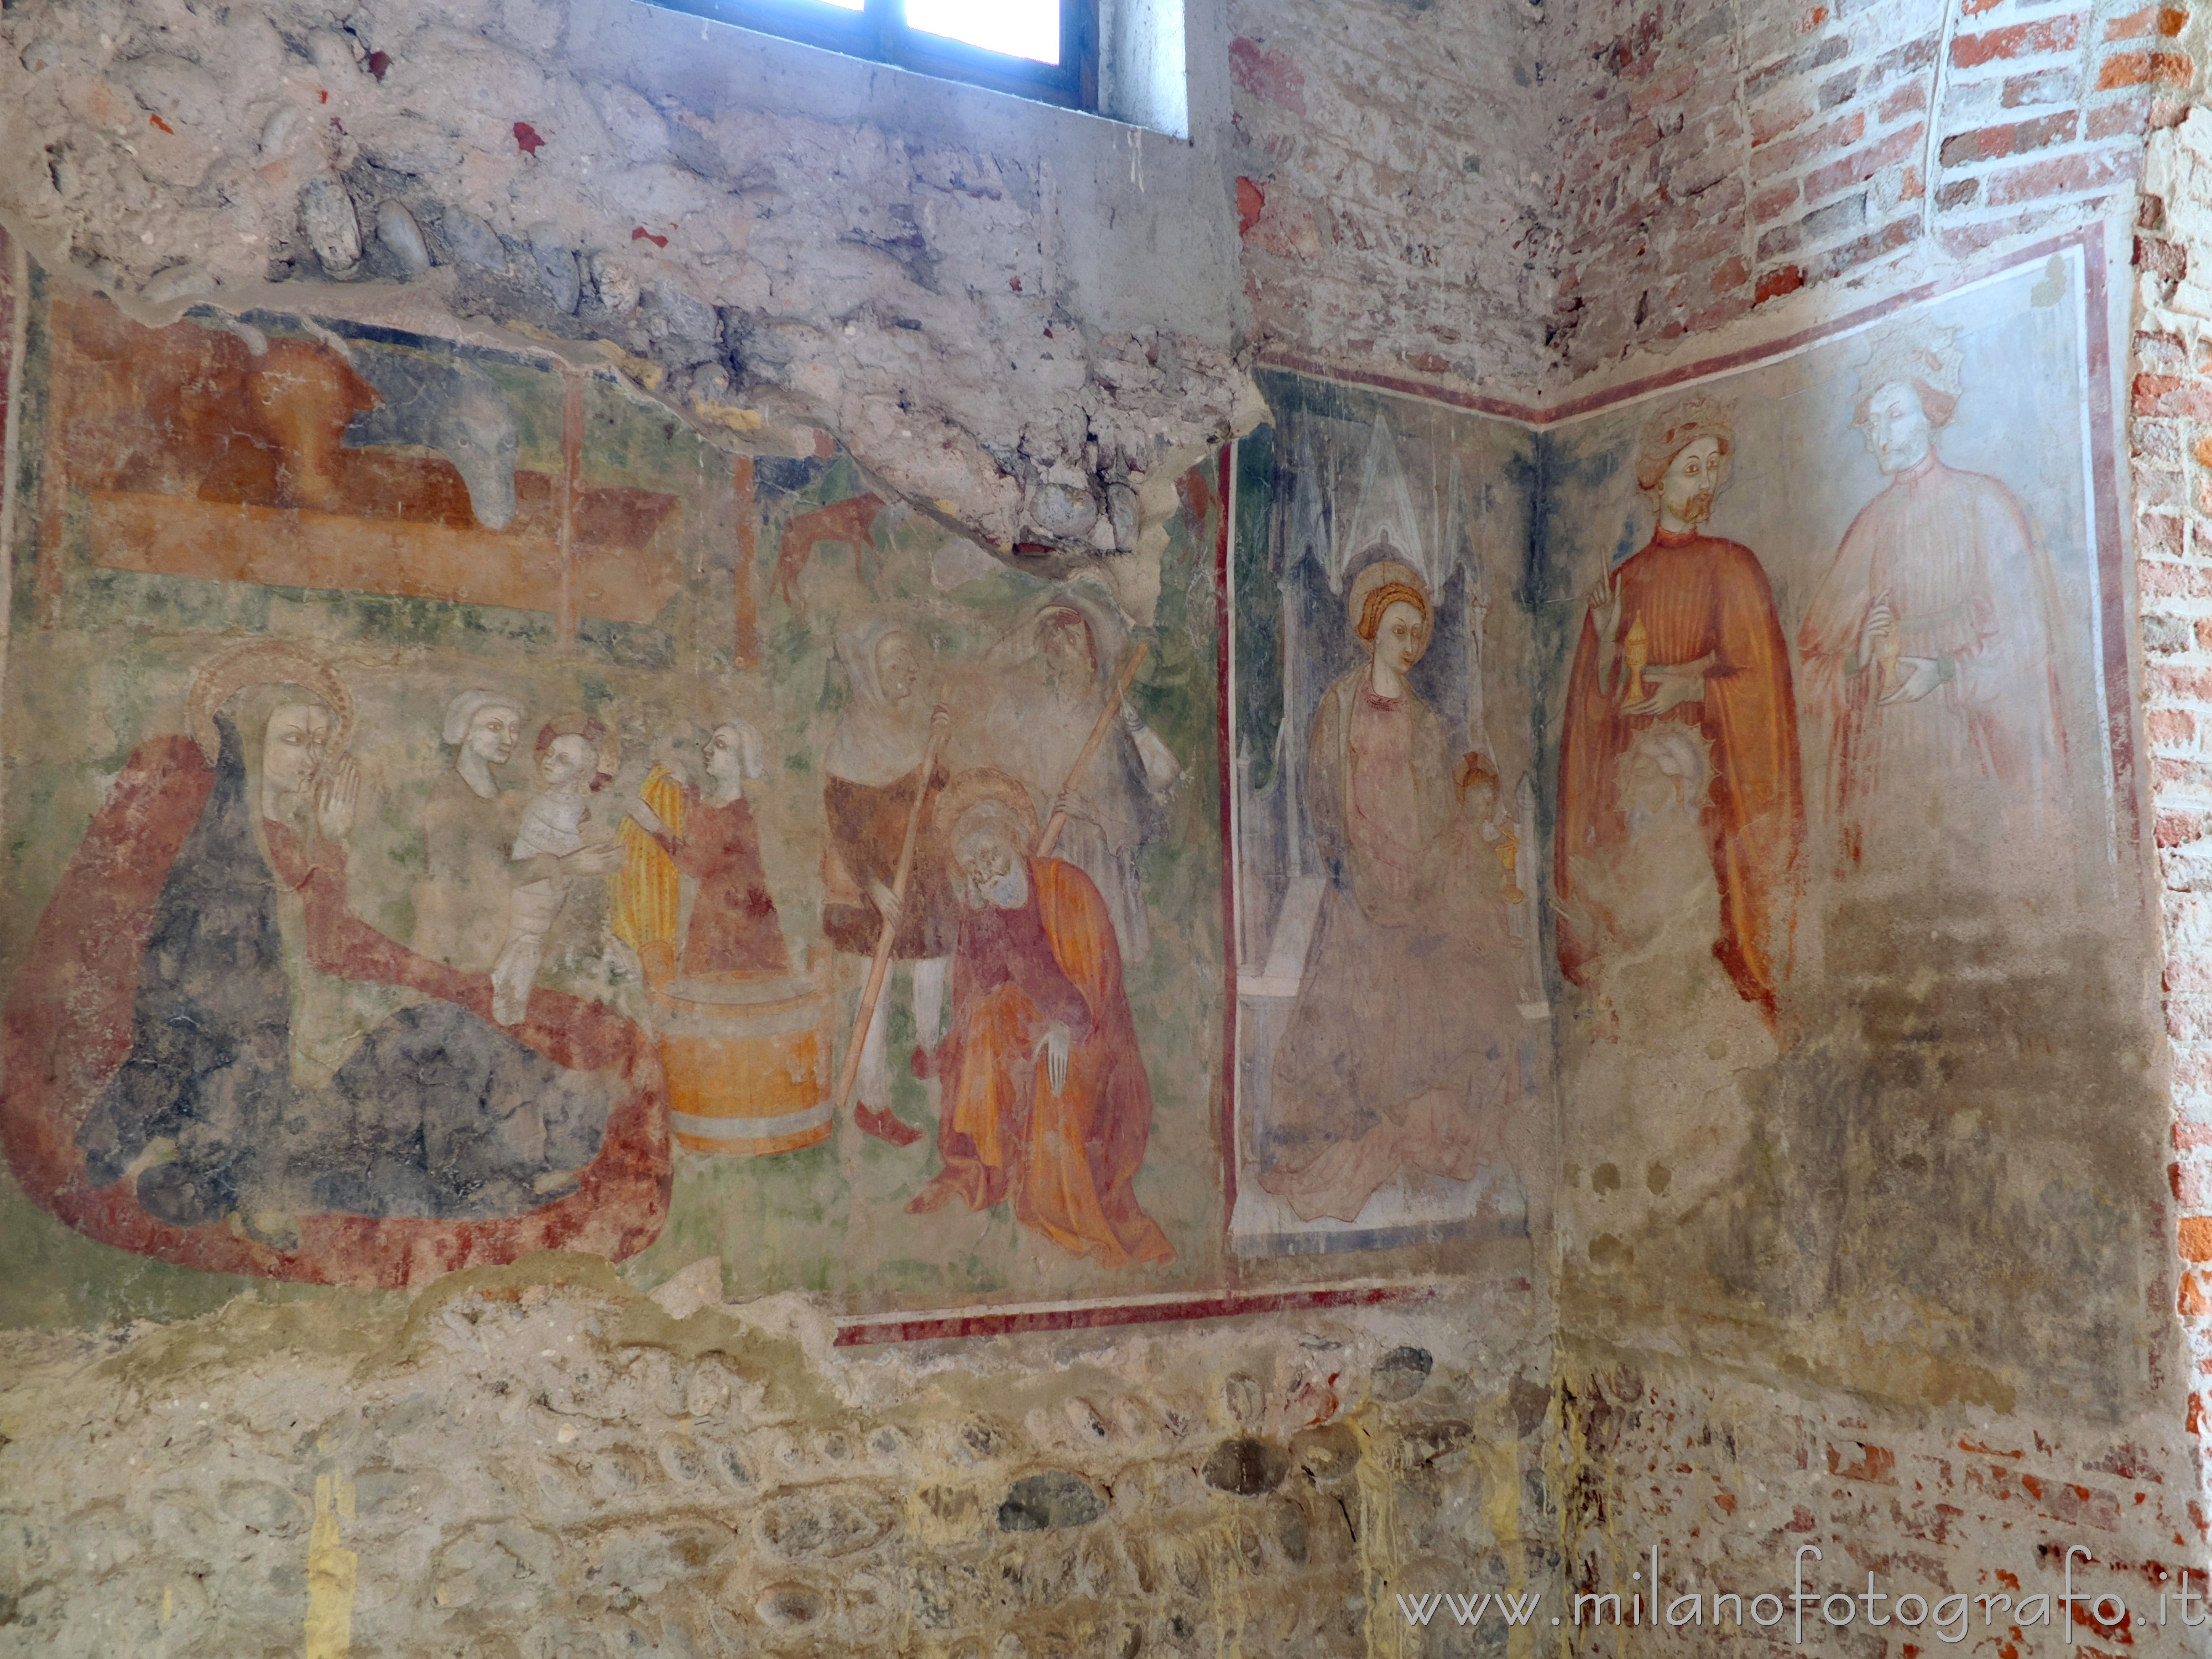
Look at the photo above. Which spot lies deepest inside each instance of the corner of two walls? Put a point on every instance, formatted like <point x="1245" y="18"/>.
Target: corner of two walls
<point x="1003" y="323"/>
<point x="1737" y="176"/>
<point x="1733" y="173"/>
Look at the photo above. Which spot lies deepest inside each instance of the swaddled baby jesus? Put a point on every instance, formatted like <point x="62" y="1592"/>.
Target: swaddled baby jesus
<point x="553" y="824"/>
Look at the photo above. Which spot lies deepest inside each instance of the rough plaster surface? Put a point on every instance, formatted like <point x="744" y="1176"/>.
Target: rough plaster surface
<point x="826" y="264"/>
<point x="995" y="310"/>
<point x="1394" y="162"/>
<point x="514" y="1465"/>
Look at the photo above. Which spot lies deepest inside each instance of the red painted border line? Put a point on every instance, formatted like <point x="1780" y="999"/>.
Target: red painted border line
<point x="1226" y="773"/>
<point x="1101" y="1316"/>
<point x="1529" y="415"/>
<point x="1320" y="369"/>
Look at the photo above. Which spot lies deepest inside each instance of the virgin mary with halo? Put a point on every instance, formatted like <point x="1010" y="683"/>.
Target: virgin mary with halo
<point x="1398" y="1059"/>
<point x="224" y="1066"/>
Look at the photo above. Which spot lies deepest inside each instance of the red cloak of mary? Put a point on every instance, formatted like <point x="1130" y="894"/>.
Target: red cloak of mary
<point x="71" y="1024"/>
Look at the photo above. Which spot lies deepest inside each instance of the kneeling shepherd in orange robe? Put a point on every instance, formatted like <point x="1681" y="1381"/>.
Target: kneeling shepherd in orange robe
<point x="1045" y="1098"/>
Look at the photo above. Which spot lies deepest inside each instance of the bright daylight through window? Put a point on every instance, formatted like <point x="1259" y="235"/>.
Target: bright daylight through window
<point x="1044" y="49"/>
<point x="1020" y="28"/>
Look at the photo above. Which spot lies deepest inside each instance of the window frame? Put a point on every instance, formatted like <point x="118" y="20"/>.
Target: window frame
<point x="880" y="33"/>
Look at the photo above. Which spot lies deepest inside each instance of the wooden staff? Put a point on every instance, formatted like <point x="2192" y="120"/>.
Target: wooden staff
<point x="879" y="967"/>
<point x="1106" y="716"/>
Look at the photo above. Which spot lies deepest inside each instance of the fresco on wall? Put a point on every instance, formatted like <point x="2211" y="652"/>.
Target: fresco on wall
<point x="1755" y="754"/>
<point x="1394" y="1025"/>
<point x="1844" y="863"/>
<point x="457" y="812"/>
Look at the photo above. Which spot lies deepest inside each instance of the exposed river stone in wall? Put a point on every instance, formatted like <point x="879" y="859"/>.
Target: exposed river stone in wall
<point x="513" y="1466"/>
<point x="929" y="286"/>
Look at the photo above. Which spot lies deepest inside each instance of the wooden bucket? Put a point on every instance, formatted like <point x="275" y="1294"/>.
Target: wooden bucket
<point x="748" y="1063"/>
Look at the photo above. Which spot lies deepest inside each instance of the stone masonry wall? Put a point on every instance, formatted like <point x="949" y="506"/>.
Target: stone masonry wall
<point x="993" y="302"/>
<point x="515" y="1466"/>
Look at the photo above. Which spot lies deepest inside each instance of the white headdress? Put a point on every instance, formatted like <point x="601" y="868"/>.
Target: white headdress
<point x="876" y="742"/>
<point x="752" y="748"/>
<point x="461" y="712"/>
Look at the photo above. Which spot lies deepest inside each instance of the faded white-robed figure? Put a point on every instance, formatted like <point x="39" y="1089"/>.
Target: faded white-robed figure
<point x="1931" y="682"/>
<point x="873" y="768"/>
<point x="1665" y="1033"/>
<point x="573" y="764"/>
<point x="1053" y="684"/>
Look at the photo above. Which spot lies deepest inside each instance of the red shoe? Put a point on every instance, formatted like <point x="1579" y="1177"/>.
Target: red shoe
<point x="935" y="1196"/>
<point x="885" y="1127"/>
<point x="924" y="1064"/>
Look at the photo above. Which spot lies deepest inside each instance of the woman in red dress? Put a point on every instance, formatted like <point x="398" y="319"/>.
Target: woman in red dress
<point x="734" y="931"/>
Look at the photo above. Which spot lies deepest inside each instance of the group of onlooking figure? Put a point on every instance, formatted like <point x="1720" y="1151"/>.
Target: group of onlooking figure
<point x="286" y="1059"/>
<point x="1031" y="948"/>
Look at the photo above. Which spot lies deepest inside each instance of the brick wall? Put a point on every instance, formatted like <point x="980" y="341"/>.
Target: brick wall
<point x="1727" y="167"/>
<point x="1730" y="1480"/>
<point x="2170" y="444"/>
<point x="1391" y="165"/>
<point x="1720" y="157"/>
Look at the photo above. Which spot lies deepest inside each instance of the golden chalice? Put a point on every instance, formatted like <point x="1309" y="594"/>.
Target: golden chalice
<point x="1635" y="650"/>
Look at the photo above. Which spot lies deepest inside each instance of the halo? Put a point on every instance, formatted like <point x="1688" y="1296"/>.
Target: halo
<point x="264" y="662"/>
<point x="1373" y="576"/>
<point x="606" y="743"/>
<point x="975" y="786"/>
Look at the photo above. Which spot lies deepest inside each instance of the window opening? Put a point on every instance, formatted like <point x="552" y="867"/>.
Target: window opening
<point x="1042" y="49"/>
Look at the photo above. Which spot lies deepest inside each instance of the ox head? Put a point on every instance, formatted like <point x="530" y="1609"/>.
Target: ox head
<point x="454" y="408"/>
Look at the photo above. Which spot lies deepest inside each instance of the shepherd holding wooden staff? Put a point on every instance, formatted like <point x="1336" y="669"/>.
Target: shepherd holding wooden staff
<point x="886" y="899"/>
